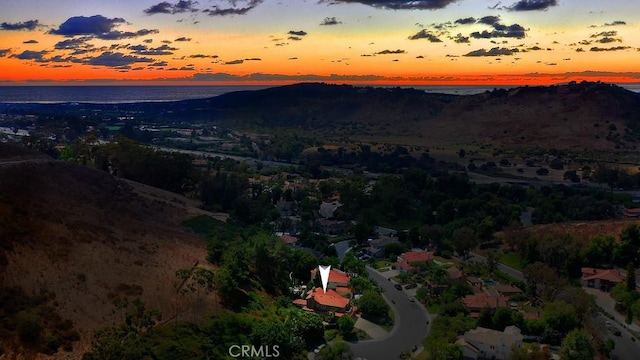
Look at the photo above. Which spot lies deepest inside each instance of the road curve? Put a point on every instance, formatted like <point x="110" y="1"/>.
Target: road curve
<point x="409" y="330"/>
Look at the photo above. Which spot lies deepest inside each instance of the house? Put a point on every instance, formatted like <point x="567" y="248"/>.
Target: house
<point x="483" y="343"/>
<point x="327" y="209"/>
<point x="376" y="246"/>
<point x="475" y="283"/>
<point x="289" y="239"/>
<point x="404" y="260"/>
<point x="603" y="279"/>
<point x="507" y="290"/>
<point x="337" y="278"/>
<point x="330" y="302"/>
<point x="635" y="212"/>
<point x="455" y="275"/>
<point x="477" y="302"/>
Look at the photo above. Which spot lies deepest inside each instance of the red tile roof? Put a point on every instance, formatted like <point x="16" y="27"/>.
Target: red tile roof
<point x="335" y="276"/>
<point x="482" y="300"/>
<point x="609" y="275"/>
<point x="414" y="256"/>
<point x="330" y="298"/>
<point x="289" y="239"/>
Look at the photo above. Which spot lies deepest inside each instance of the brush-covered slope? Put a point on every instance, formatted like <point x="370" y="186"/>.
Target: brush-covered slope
<point x="74" y="239"/>
<point x="582" y="115"/>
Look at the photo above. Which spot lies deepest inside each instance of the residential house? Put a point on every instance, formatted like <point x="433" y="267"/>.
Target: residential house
<point x="603" y="279"/>
<point x="329" y="302"/>
<point x="475" y="283"/>
<point x="405" y="260"/>
<point x="289" y="239"/>
<point x="376" y="247"/>
<point x="337" y="278"/>
<point x="456" y="275"/>
<point x="327" y="209"/>
<point x="507" y="290"/>
<point x="483" y="343"/>
<point x="477" y="302"/>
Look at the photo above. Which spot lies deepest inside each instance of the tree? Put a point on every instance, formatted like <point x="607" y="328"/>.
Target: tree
<point x="576" y="346"/>
<point x="372" y="305"/>
<point x="493" y="256"/>
<point x="543" y="280"/>
<point x="346" y="325"/>
<point x="631" y="277"/>
<point x="464" y="239"/>
<point x="337" y="351"/>
<point x="560" y="316"/>
<point x="522" y="353"/>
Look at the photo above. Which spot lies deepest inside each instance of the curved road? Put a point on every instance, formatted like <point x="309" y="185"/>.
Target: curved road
<point x="409" y="330"/>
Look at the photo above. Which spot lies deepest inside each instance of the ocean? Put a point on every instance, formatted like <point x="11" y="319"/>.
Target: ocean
<point x="133" y="94"/>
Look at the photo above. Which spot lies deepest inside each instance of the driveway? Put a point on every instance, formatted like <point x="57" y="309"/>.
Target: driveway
<point x="410" y="327"/>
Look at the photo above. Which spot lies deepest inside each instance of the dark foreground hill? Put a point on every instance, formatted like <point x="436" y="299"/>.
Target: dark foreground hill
<point x="72" y="240"/>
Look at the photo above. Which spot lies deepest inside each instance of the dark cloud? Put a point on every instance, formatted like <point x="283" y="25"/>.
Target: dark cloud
<point x="182" y="38"/>
<point x="159" y="64"/>
<point x="615" y="48"/>
<point x="501" y="31"/>
<point x="297" y="33"/>
<point x="293" y="58"/>
<point x="168" y="8"/>
<point x="398" y="4"/>
<point x="615" y="23"/>
<point x="606" y="40"/>
<point x="116" y="59"/>
<point x="465" y="21"/>
<point x="424" y="34"/>
<point x="492" y="52"/>
<point x="604" y="34"/>
<point x="489" y="20"/>
<point x="387" y="52"/>
<point x="31" y="55"/>
<point x="119" y="35"/>
<point x="234" y="62"/>
<point x="294" y="38"/>
<point x="157" y="51"/>
<point x="330" y="21"/>
<point x="280" y="77"/>
<point x="82" y="25"/>
<point x="30" y="41"/>
<point x="98" y="26"/>
<point x="461" y="39"/>
<point x="147" y="41"/>
<point x="202" y="56"/>
<point x="234" y="8"/>
<point x="75" y="43"/>
<point x="4" y="52"/>
<point x="530" y="5"/>
<point x="26" y="25"/>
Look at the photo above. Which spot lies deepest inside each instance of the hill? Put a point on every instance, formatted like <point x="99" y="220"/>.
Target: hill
<point x="72" y="240"/>
<point x="573" y="116"/>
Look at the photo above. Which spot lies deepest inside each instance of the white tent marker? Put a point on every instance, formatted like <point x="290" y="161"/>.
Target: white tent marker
<point x="324" y="275"/>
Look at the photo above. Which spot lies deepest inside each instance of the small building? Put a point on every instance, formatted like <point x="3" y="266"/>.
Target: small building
<point x="602" y="279"/>
<point x="405" y="260"/>
<point x="327" y="209"/>
<point x="332" y="227"/>
<point x="483" y="343"/>
<point x="480" y="301"/>
<point x="329" y="302"/>
<point x="289" y="239"/>
<point x="376" y="247"/>
<point x="507" y="290"/>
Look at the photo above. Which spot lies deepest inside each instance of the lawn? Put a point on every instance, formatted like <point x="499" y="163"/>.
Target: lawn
<point x="382" y="264"/>
<point x="512" y="260"/>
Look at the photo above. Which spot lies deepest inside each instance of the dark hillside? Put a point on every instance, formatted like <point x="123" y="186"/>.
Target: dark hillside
<point x="72" y="240"/>
<point x="582" y="115"/>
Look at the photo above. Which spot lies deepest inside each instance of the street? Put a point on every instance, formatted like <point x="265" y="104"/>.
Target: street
<point x="410" y="327"/>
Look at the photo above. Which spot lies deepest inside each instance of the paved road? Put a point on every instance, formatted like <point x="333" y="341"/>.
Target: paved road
<point x="342" y="247"/>
<point x="410" y="325"/>
<point x="625" y="348"/>
<point x="9" y="162"/>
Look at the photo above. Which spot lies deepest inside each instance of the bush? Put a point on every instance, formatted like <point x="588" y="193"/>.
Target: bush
<point x="28" y="327"/>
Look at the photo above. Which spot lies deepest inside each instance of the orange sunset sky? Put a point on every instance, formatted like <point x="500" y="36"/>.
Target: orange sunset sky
<point x="209" y="42"/>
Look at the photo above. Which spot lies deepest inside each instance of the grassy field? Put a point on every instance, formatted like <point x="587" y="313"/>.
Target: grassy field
<point x="512" y="260"/>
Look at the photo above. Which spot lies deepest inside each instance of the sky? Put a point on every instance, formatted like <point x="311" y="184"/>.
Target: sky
<point x="221" y="42"/>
